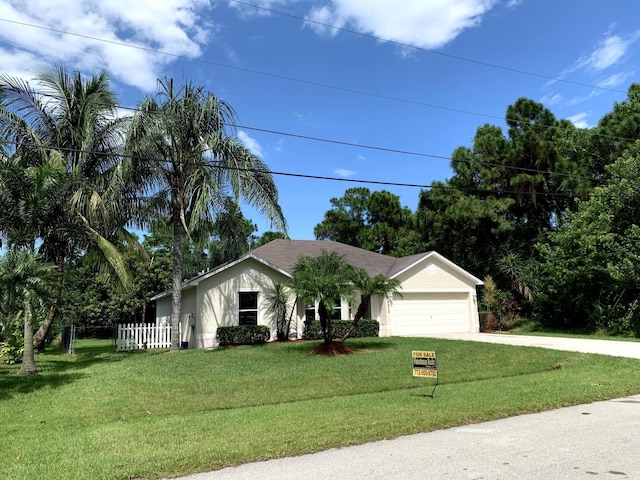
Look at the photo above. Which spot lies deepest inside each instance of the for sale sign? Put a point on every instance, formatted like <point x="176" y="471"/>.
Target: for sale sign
<point x="425" y="364"/>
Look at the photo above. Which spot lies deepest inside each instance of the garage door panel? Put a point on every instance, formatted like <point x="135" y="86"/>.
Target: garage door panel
<point x="417" y="314"/>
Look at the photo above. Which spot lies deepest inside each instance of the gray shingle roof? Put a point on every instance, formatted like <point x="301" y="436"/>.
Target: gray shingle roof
<point x="285" y="253"/>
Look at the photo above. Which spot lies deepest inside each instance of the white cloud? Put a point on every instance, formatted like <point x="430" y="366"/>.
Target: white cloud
<point x="262" y="10"/>
<point x="578" y="100"/>
<point x="551" y="99"/>
<point x="251" y="143"/>
<point x="343" y="172"/>
<point x="171" y="26"/>
<point x="426" y="24"/>
<point x="610" y="51"/>
<point x="278" y="146"/>
<point x="615" y="80"/>
<point x="580" y="120"/>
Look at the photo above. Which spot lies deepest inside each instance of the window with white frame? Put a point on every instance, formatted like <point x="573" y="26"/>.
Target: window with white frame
<point x="248" y="308"/>
<point x="337" y="309"/>
<point x="310" y="313"/>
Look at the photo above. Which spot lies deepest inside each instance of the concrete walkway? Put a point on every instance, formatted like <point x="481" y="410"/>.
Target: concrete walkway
<point x="598" y="440"/>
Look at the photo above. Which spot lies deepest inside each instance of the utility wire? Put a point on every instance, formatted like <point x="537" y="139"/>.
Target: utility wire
<point x="292" y="79"/>
<point x="308" y="82"/>
<point x="422" y="49"/>
<point x="398" y="151"/>
<point x="256" y="72"/>
<point x="441" y="186"/>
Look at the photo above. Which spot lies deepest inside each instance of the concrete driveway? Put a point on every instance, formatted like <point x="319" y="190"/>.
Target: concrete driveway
<point x="597" y="440"/>
<point x="605" y="347"/>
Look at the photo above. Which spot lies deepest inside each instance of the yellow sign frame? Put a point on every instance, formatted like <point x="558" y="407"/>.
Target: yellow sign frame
<point x="424" y="364"/>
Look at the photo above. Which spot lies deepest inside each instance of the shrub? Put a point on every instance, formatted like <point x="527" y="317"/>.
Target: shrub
<point x="365" y="328"/>
<point x="12" y="349"/>
<point x="243" y="335"/>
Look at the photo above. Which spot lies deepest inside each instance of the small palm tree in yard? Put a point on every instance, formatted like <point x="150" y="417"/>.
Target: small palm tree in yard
<point x="368" y="287"/>
<point x="277" y="298"/>
<point x="323" y="280"/>
<point x="24" y="283"/>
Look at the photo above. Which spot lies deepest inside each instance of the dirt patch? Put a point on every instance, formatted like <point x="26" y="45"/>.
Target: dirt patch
<point x="333" y="348"/>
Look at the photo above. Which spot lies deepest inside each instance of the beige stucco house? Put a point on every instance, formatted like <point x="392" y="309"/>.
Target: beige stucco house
<point x="437" y="296"/>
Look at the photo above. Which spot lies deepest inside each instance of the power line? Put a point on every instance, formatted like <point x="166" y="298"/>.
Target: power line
<point x="399" y="151"/>
<point x="417" y="154"/>
<point x="324" y="85"/>
<point x="298" y="80"/>
<point x="422" y="49"/>
<point x="295" y="175"/>
<point x="256" y="72"/>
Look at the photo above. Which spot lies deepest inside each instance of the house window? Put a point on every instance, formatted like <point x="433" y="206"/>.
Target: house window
<point x="310" y="313"/>
<point x="337" y="309"/>
<point x="248" y="308"/>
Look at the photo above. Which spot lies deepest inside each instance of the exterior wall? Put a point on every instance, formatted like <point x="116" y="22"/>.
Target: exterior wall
<point x="436" y="280"/>
<point x="217" y="299"/>
<point x="163" y="311"/>
<point x="214" y="301"/>
<point x="433" y="274"/>
<point x="188" y="309"/>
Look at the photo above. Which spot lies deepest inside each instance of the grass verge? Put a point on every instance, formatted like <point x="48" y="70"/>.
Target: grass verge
<point x="154" y="414"/>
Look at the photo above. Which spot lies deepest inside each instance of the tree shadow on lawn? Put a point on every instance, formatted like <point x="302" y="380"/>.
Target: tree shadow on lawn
<point x="358" y="345"/>
<point x="11" y="384"/>
<point x="54" y="370"/>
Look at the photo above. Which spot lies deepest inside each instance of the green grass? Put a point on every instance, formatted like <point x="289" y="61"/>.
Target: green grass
<point x="102" y="415"/>
<point x="536" y="329"/>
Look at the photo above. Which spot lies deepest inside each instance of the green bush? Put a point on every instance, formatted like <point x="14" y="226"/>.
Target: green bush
<point x="365" y="328"/>
<point x="243" y="335"/>
<point x="12" y="349"/>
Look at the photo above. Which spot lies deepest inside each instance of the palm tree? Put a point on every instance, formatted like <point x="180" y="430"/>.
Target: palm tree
<point x="278" y="301"/>
<point x="188" y="163"/>
<point x="73" y="119"/>
<point x="24" y="280"/>
<point x="368" y="287"/>
<point x="323" y="280"/>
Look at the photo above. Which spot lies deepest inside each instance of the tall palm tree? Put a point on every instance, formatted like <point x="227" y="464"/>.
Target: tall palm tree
<point x="323" y="280"/>
<point x="24" y="282"/>
<point x="63" y="115"/>
<point x="188" y="162"/>
<point x="368" y="287"/>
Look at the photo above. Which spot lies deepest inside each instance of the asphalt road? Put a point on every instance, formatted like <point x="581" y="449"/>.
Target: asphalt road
<point x="598" y="440"/>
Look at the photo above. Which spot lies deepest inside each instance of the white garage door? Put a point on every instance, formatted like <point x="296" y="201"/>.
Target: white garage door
<point x="416" y="314"/>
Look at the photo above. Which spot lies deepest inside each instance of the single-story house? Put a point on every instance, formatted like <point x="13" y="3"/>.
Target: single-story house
<point x="436" y="295"/>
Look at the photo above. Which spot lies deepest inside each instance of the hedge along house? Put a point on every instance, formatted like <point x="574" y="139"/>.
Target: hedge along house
<point x="437" y="296"/>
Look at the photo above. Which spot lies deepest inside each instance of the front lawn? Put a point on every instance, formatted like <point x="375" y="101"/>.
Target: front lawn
<point x="102" y="415"/>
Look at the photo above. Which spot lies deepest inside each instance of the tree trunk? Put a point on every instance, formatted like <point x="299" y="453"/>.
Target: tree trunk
<point x="40" y="336"/>
<point x="28" y="360"/>
<point x="325" y="323"/>
<point x="176" y="289"/>
<point x="360" y="313"/>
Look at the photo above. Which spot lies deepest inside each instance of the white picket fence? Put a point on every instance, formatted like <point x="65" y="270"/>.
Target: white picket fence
<point x="136" y="336"/>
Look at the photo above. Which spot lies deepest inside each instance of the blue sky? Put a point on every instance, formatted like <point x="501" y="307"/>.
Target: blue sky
<point x="415" y="76"/>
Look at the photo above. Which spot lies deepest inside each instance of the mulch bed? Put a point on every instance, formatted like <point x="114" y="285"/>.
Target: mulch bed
<point x="333" y="348"/>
